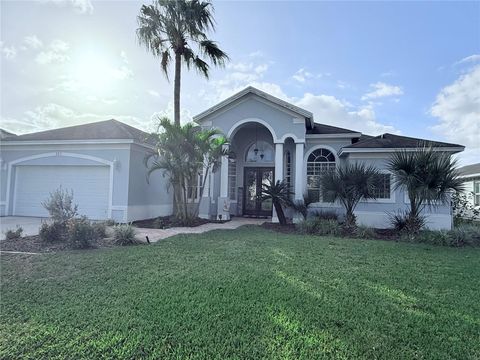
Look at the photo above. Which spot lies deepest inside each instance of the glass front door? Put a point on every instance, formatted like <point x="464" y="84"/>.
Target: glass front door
<point x="254" y="178"/>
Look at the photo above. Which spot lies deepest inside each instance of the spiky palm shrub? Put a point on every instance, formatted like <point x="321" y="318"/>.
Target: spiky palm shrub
<point x="182" y="152"/>
<point x="301" y="206"/>
<point x="428" y="176"/>
<point x="173" y="30"/>
<point x="279" y="193"/>
<point x="350" y="184"/>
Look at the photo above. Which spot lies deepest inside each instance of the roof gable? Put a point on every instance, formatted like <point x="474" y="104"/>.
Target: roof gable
<point x="307" y="115"/>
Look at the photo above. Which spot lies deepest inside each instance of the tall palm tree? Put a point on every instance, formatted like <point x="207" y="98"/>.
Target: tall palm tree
<point x="172" y="28"/>
<point x="428" y="176"/>
<point x="350" y="184"/>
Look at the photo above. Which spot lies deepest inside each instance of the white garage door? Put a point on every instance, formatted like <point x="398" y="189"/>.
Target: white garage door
<point x="90" y="185"/>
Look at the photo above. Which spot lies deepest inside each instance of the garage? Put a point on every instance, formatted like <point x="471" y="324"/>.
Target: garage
<point x="90" y="185"/>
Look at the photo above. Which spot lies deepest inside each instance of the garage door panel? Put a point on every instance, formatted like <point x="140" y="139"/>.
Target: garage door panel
<point x="90" y="185"/>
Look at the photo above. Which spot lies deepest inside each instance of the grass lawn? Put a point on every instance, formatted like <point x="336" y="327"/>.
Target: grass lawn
<point x="246" y="294"/>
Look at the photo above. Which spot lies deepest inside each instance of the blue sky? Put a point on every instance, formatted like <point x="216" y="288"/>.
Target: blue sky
<point x="404" y="67"/>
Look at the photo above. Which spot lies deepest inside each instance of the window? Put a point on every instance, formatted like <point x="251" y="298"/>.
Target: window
<point x="476" y="192"/>
<point x="383" y="190"/>
<point x="260" y="151"/>
<point x="232" y="179"/>
<point x="318" y="162"/>
<point x="288" y="169"/>
<point x="194" y="189"/>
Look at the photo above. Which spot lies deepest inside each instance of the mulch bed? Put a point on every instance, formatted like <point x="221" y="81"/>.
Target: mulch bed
<point x="35" y="245"/>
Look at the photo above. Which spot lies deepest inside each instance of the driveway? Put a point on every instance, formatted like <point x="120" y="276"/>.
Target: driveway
<point x="30" y="225"/>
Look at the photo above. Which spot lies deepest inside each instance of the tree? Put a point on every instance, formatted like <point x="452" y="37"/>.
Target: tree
<point x="279" y="193"/>
<point x="428" y="176"/>
<point x="350" y="184"/>
<point x="172" y="28"/>
<point x="182" y="152"/>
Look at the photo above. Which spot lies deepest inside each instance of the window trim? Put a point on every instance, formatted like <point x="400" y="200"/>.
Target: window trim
<point x="305" y="176"/>
<point x="232" y="161"/>
<point x="475" y="194"/>
<point x="389" y="200"/>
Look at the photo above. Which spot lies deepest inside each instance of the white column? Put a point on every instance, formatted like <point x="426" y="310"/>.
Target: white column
<point x="206" y="189"/>
<point x="299" y="177"/>
<point x="278" y="162"/>
<point x="224" y="175"/>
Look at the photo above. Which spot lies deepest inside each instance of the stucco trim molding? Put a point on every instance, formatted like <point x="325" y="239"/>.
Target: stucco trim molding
<point x="238" y="124"/>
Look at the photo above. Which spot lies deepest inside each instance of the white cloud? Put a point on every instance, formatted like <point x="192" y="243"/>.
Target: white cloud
<point x="32" y="42"/>
<point x="80" y="6"/>
<point x="9" y="52"/>
<point x="382" y="90"/>
<point x="153" y="93"/>
<point x="457" y="107"/>
<point x="302" y="75"/>
<point x="52" y="116"/>
<point x="57" y="52"/>
<point x="469" y="59"/>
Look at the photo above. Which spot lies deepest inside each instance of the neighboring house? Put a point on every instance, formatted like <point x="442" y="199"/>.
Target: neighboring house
<point x="101" y="162"/>
<point x="471" y="175"/>
<point x="270" y="139"/>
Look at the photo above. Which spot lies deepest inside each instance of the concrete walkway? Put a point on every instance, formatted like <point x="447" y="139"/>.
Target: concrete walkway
<point x="155" y="235"/>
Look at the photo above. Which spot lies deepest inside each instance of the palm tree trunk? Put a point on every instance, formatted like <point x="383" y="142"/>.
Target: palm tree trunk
<point x="176" y="89"/>
<point x="280" y="214"/>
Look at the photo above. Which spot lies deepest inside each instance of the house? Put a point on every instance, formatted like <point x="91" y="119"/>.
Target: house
<point x="471" y="176"/>
<point x="269" y="139"/>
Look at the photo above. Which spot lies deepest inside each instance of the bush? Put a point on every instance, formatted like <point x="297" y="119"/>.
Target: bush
<point x="110" y="222"/>
<point x="53" y="232"/>
<point x="60" y="206"/>
<point x="124" y="235"/>
<point x="81" y="233"/>
<point x="100" y="230"/>
<point x="406" y="224"/>
<point x="14" y="235"/>
<point x="463" y="209"/>
<point x="465" y="235"/>
<point x="318" y="226"/>
<point x="365" y="232"/>
<point x="325" y="215"/>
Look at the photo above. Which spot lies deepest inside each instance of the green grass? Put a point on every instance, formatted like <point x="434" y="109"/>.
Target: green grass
<point x="244" y="294"/>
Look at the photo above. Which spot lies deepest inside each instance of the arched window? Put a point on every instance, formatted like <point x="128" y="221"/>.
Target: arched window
<point x="318" y="162"/>
<point x="260" y="151"/>
<point x="288" y="168"/>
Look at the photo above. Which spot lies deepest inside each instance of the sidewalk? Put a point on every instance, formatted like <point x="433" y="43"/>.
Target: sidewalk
<point x="155" y="235"/>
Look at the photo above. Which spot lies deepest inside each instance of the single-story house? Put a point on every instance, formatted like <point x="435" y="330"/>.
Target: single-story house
<point x="471" y="176"/>
<point x="269" y="139"/>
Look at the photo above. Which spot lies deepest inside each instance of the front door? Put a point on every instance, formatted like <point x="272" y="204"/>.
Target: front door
<point x="253" y="180"/>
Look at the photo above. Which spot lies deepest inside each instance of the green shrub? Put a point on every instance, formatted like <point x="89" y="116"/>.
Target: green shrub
<point x="465" y="235"/>
<point x="325" y="215"/>
<point x="365" y="232"/>
<point x="100" y="230"/>
<point x="124" y="234"/>
<point x="53" y="232"/>
<point x="406" y="224"/>
<point x="468" y="234"/>
<point x="316" y="226"/>
<point x="60" y="206"/>
<point x="14" y="234"/>
<point x="81" y="233"/>
<point x="110" y="222"/>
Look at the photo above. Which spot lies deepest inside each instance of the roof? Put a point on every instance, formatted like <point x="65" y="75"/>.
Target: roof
<point x="102" y="130"/>
<point x="469" y="170"/>
<point x="251" y="90"/>
<point x="391" y="141"/>
<point x="328" y="129"/>
<point x="4" y="134"/>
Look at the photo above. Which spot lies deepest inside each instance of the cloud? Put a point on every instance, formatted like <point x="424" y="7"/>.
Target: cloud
<point x="57" y="52"/>
<point x="457" y="107"/>
<point x="80" y="6"/>
<point x="9" y="52"/>
<point x="382" y="90"/>
<point x="153" y="93"/>
<point x="469" y="59"/>
<point x="32" y="42"/>
<point x="52" y="116"/>
<point x="302" y="75"/>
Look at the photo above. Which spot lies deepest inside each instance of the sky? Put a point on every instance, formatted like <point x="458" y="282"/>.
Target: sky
<point x="409" y="68"/>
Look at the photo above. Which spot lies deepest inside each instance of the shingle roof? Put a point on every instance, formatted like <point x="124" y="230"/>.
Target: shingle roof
<point x="4" y="134"/>
<point x="391" y="141"/>
<point x="470" y="169"/>
<point x="327" y="129"/>
<point x="102" y="130"/>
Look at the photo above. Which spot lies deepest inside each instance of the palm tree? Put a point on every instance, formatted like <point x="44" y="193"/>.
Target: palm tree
<point x="428" y="176"/>
<point x="182" y="152"/>
<point x="279" y="193"/>
<point x="170" y="28"/>
<point x="350" y="184"/>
